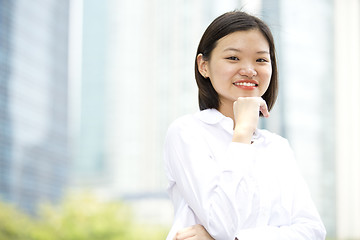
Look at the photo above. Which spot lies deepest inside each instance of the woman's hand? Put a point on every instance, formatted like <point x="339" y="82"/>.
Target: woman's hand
<point x="246" y="117"/>
<point x="195" y="232"/>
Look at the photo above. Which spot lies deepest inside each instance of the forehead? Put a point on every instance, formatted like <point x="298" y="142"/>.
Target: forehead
<point x="244" y="40"/>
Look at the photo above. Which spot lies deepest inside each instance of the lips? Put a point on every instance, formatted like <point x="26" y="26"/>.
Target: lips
<point x="246" y="84"/>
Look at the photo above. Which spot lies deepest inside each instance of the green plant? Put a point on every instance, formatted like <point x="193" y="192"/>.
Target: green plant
<point x="77" y="217"/>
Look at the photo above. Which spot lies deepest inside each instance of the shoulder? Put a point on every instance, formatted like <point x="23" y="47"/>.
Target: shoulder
<point x="271" y="135"/>
<point x="183" y="123"/>
<point x="194" y="122"/>
<point x="270" y="138"/>
<point x="183" y="127"/>
<point x="277" y="148"/>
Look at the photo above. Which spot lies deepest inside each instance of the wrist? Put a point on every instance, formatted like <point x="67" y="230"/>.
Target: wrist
<point x="242" y="135"/>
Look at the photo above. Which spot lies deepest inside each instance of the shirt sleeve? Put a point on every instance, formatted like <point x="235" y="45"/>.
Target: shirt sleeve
<point x="208" y="187"/>
<point x="305" y="222"/>
<point x="224" y="194"/>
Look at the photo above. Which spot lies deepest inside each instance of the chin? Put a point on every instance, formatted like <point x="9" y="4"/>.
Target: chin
<point x="247" y="95"/>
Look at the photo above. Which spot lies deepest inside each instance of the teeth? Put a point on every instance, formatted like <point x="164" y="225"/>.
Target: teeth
<point x="245" y="84"/>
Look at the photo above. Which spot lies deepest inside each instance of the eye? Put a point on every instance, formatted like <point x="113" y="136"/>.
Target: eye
<point x="233" y="58"/>
<point x="262" y="60"/>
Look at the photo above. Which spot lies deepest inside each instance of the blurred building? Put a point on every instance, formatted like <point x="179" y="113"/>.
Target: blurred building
<point x="304" y="113"/>
<point x="347" y="117"/>
<point x="130" y="66"/>
<point x="34" y="155"/>
<point x="137" y="77"/>
<point x="131" y="71"/>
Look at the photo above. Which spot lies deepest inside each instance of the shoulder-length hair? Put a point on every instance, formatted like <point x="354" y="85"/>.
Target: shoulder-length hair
<point x="222" y="26"/>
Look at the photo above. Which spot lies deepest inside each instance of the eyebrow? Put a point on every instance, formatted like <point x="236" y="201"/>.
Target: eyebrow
<point x="238" y="50"/>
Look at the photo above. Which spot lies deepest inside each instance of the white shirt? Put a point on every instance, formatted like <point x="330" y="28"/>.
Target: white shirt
<point x="248" y="191"/>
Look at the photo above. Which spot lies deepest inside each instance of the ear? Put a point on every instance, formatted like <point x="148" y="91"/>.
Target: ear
<point x="202" y="65"/>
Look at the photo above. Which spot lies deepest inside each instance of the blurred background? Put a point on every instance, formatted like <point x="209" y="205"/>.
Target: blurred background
<point x="88" y="89"/>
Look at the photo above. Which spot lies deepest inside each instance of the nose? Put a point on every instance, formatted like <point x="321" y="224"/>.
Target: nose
<point x="248" y="72"/>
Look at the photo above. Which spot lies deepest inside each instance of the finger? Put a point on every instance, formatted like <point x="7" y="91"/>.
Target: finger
<point x="192" y="238"/>
<point x="183" y="236"/>
<point x="185" y="233"/>
<point x="184" y="230"/>
<point x="264" y="109"/>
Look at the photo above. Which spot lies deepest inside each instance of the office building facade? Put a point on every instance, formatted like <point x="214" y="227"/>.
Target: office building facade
<point x="34" y="155"/>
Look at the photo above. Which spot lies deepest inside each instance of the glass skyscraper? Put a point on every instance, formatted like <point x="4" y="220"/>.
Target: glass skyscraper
<point x="5" y="123"/>
<point x="34" y="155"/>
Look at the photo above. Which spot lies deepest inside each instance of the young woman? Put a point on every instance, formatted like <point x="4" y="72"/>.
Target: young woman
<point x="227" y="178"/>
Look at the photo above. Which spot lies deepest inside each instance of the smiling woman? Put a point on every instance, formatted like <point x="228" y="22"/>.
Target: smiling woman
<point x="227" y="178"/>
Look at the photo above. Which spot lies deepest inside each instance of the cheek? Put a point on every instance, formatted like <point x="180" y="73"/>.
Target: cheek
<point x="220" y="70"/>
<point x="266" y="77"/>
<point x="218" y="75"/>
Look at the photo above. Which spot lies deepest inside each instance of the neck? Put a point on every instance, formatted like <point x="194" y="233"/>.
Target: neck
<point x="227" y="110"/>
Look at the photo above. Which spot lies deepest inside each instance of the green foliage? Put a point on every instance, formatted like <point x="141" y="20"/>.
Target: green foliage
<point x="77" y="218"/>
<point x="14" y="225"/>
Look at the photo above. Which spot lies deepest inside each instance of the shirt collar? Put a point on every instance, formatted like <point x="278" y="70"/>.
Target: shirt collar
<point x="212" y="116"/>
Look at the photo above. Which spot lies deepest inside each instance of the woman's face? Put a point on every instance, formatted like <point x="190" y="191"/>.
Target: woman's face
<point x="239" y="66"/>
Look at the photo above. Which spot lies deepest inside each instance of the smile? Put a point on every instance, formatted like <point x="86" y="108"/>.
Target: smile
<point x="246" y="84"/>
